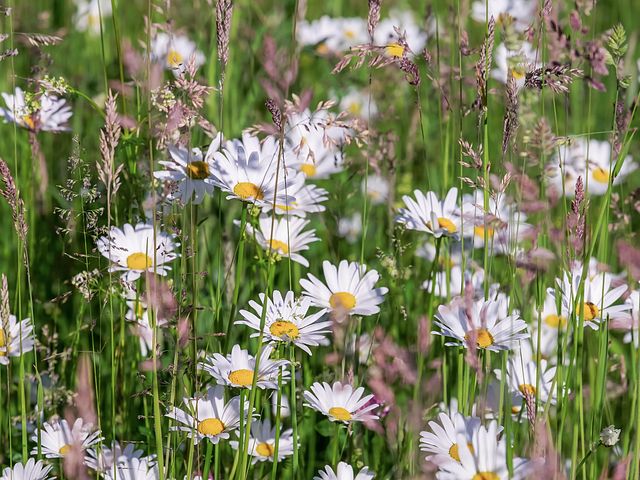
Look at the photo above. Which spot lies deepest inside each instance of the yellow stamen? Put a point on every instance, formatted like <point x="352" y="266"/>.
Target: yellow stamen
<point x="447" y="224"/>
<point x="282" y="328"/>
<point x="340" y="413"/>
<point x="486" y="476"/>
<point x="355" y="108"/>
<point x="265" y="449"/>
<point x="527" y="389"/>
<point x="589" y="310"/>
<point x="518" y="73"/>
<point x="174" y="59"/>
<point x="198" y="170"/>
<point x="242" y="378"/>
<point x="309" y="169"/>
<point x="28" y="120"/>
<point x="555" y="321"/>
<point x="210" y="426"/>
<point x="600" y="175"/>
<point x="455" y="453"/>
<point x="279" y="246"/>
<point x="322" y="49"/>
<point x="64" y="449"/>
<point x="479" y="231"/>
<point x="484" y="339"/>
<point x="139" y="261"/>
<point x="395" y="50"/>
<point x="246" y="190"/>
<point x="344" y="300"/>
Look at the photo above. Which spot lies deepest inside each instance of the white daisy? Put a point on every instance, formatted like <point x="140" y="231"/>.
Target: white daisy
<point x="332" y="35"/>
<point x="58" y="438"/>
<point x="208" y="417"/>
<point x="523" y="379"/>
<point x="520" y="12"/>
<point x="633" y="322"/>
<point x="189" y="172"/>
<point x="262" y="442"/>
<point x="247" y="170"/>
<point x="175" y="51"/>
<point x="134" y="250"/>
<point x="90" y="13"/>
<point x="552" y="323"/>
<point x="340" y="402"/>
<point x="441" y="441"/>
<point x="358" y="103"/>
<point x="103" y="460"/>
<point x="485" y="458"/>
<point x="287" y="320"/>
<point x="482" y="323"/>
<point x="308" y="199"/>
<point x="31" y="470"/>
<point x="516" y="62"/>
<point x="452" y="283"/>
<point x="598" y="301"/>
<point x="344" y="472"/>
<point x="288" y="238"/>
<point x="145" y="468"/>
<point x="238" y="368"/>
<point x="376" y="188"/>
<point x="46" y="113"/>
<point x="428" y="214"/>
<point x="16" y="338"/>
<point x="385" y="34"/>
<point x="349" y="289"/>
<point x="350" y="228"/>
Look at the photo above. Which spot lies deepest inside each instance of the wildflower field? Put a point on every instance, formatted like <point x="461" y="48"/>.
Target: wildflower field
<point x="258" y="239"/>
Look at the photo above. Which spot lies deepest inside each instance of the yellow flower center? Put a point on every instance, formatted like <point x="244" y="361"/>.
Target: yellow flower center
<point x="242" y="378"/>
<point x="210" y="426"/>
<point x="174" y="59"/>
<point x="3" y="343"/>
<point x="527" y="389"/>
<point x="282" y="328"/>
<point x="139" y="261"/>
<point x="518" y="73"/>
<point x="394" y="50"/>
<point x="555" y="321"/>
<point x="484" y="339"/>
<point x="344" y="300"/>
<point x="247" y="190"/>
<point x="454" y="452"/>
<point x="93" y="20"/>
<point x="322" y="49"/>
<point x="309" y="169"/>
<point x="264" y="449"/>
<point x="589" y="311"/>
<point x="198" y="170"/>
<point x="286" y="208"/>
<point x="340" y="413"/>
<point x="64" y="449"/>
<point x="515" y="409"/>
<point x="486" y="476"/>
<point x="479" y="231"/>
<point x="350" y="34"/>
<point x="279" y="246"/>
<point x="355" y="108"/>
<point x="28" y="120"/>
<point x="600" y="175"/>
<point x="447" y="224"/>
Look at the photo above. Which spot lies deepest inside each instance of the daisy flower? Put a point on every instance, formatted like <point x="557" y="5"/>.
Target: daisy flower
<point x="376" y="188"/>
<point x="482" y="323"/>
<point x="262" y="442"/>
<point x="145" y="468"/>
<point x="44" y="113"/>
<point x="386" y="35"/>
<point x="428" y="214"/>
<point x="208" y="417"/>
<point x="349" y="289"/>
<point x="524" y="380"/>
<point x="190" y="172"/>
<point x="485" y="457"/>
<point x="358" y="103"/>
<point x="441" y="441"/>
<point x="58" y="438"/>
<point x="634" y="319"/>
<point x="238" y="368"/>
<point x="344" y="472"/>
<point x="552" y="323"/>
<point x="104" y="459"/>
<point x="287" y="320"/>
<point x="31" y="470"/>
<point x="134" y="250"/>
<point x="350" y="228"/>
<point x="89" y="15"/>
<point x="332" y="35"/>
<point x="288" y="238"/>
<point x="308" y="199"/>
<point x="514" y="62"/>
<point x="247" y="170"/>
<point x="598" y="301"/>
<point x="16" y="338"/>
<point x="451" y="284"/>
<point x="175" y="51"/>
<point x="520" y="12"/>
<point x="340" y="402"/>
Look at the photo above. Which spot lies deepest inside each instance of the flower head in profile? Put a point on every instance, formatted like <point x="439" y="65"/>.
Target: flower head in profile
<point x="340" y="402"/>
<point x="308" y="199"/>
<point x="344" y="472"/>
<point x="248" y="170"/>
<point x="238" y="368"/>
<point x="349" y="289"/>
<point x="208" y="417"/>
<point x="287" y="319"/>
<point x="288" y="237"/>
<point x="481" y="323"/>
<point x="428" y="214"/>
<point x="514" y="62"/>
<point x="38" y="113"/>
<point x="350" y="228"/>
<point x="32" y="470"/>
<point x="376" y="188"/>
<point x="58" y="438"/>
<point x="145" y="468"/>
<point x="190" y="172"/>
<point x="332" y="35"/>
<point x="262" y="442"/>
<point x="16" y="338"/>
<point x="103" y="459"/>
<point x="173" y="52"/>
<point x="519" y="13"/>
<point x="139" y="249"/>
<point x="90" y="14"/>
<point x="413" y="35"/>
<point x="526" y="378"/>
